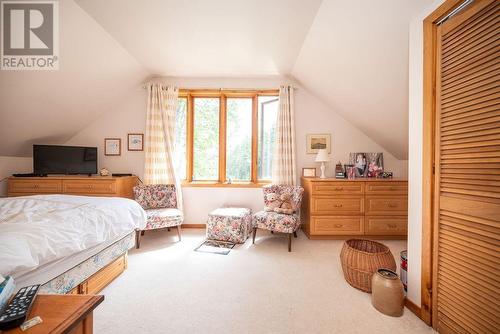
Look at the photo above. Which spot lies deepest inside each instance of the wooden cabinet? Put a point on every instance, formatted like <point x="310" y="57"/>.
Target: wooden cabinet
<point x="335" y="208"/>
<point x="73" y="185"/>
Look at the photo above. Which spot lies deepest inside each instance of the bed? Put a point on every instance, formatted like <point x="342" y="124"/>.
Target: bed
<point x="68" y="244"/>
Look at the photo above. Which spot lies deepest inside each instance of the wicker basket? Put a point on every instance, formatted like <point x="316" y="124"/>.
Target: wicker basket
<point x="361" y="258"/>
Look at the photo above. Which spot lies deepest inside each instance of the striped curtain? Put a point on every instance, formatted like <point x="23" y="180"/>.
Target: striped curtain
<point x="284" y="170"/>
<point x="160" y="137"/>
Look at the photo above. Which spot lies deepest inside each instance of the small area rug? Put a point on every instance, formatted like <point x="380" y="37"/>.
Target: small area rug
<point x="215" y="247"/>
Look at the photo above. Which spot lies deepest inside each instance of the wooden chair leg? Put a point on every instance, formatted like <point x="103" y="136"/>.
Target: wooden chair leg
<point x="138" y="238"/>
<point x="179" y="232"/>
<point x="289" y="242"/>
<point x="254" y="234"/>
<point x="295" y="234"/>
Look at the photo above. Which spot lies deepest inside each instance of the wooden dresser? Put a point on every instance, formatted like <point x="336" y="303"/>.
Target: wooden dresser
<point x="337" y="208"/>
<point x="73" y="185"/>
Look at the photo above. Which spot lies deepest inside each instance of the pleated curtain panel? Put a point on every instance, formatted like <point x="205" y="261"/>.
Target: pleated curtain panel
<point x="284" y="170"/>
<point x="160" y="137"/>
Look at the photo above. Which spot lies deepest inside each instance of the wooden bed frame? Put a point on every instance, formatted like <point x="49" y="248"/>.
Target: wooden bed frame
<point x="98" y="281"/>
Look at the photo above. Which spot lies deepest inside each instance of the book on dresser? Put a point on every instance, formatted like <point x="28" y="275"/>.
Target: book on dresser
<point x="73" y="185"/>
<point x="374" y="208"/>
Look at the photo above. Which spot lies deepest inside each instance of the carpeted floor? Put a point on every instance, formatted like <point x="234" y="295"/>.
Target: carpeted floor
<point x="261" y="288"/>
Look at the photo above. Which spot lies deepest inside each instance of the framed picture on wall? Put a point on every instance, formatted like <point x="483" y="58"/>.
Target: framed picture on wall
<point x="135" y="142"/>
<point x="112" y="146"/>
<point x="317" y="142"/>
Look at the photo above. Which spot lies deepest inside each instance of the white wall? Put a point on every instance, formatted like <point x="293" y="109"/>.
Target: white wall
<point x="312" y="116"/>
<point x="10" y="165"/>
<point x="415" y="154"/>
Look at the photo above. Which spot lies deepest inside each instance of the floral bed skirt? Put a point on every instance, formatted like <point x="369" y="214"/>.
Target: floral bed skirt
<point x="68" y="280"/>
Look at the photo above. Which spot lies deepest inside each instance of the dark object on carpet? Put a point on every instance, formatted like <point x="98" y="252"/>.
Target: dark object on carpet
<point x="215" y="247"/>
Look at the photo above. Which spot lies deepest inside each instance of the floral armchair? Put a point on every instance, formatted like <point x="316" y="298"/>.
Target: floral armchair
<point x="272" y="217"/>
<point x="160" y="203"/>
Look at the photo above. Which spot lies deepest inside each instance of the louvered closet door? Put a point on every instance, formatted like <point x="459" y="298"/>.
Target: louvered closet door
<point x="467" y="200"/>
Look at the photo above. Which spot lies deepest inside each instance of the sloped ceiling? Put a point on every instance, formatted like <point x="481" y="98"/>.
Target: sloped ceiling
<point x="51" y="106"/>
<point x="208" y="38"/>
<point x="355" y="58"/>
<point x="351" y="54"/>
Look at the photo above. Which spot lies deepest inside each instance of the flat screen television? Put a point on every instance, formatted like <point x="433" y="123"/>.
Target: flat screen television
<point x="54" y="159"/>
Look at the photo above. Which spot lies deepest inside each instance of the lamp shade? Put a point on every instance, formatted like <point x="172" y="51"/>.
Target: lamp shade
<point x="322" y="155"/>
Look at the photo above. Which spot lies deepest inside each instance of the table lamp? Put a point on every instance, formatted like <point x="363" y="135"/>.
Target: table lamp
<point x="322" y="157"/>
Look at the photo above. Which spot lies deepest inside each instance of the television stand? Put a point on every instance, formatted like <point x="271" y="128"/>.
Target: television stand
<point x="73" y="185"/>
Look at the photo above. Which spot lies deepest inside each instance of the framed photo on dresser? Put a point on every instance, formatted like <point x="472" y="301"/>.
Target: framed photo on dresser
<point x="309" y="172"/>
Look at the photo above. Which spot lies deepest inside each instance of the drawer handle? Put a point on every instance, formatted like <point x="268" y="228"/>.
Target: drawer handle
<point x="89" y="186"/>
<point x="392" y="225"/>
<point x="338" y="225"/>
<point x="392" y="205"/>
<point x="337" y="205"/>
<point x="36" y="186"/>
<point x="339" y="188"/>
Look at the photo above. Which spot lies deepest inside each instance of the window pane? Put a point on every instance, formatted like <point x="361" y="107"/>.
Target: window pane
<point x="206" y="139"/>
<point x="268" y="114"/>
<point x="239" y="139"/>
<point x="180" y="138"/>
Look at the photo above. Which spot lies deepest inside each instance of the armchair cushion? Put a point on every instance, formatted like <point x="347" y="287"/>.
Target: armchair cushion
<point x="276" y="222"/>
<point x="275" y="195"/>
<point x="160" y="218"/>
<point x="155" y="196"/>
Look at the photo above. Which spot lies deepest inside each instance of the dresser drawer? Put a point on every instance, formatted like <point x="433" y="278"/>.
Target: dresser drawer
<point x="338" y="225"/>
<point x="102" y="187"/>
<point x="386" y="188"/>
<point x="337" y="188"/>
<point x="35" y="186"/>
<point x="386" y="225"/>
<point x="336" y="205"/>
<point x="390" y="206"/>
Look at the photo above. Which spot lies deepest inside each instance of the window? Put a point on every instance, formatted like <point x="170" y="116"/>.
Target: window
<point x="206" y="139"/>
<point x="225" y="137"/>
<point x="180" y="137"/>
<point x="239" y="139"/>
<point x="268" y="113"/>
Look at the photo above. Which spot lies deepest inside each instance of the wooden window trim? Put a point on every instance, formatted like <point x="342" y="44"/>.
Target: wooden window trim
<point x="223" y="95"/>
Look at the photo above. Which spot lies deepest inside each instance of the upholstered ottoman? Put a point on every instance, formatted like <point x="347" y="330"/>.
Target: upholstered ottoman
<point x="229" y="224"/>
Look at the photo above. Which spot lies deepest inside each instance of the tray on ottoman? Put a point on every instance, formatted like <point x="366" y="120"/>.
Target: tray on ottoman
<point x="229" y="224"/>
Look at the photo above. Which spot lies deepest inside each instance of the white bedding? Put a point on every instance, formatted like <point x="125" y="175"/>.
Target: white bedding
<point x="35" y="230"/>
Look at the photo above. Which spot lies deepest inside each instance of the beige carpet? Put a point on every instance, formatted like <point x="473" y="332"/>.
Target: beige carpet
<point x="261" y="288"/>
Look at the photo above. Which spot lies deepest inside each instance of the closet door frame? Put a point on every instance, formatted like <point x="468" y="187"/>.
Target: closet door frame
<point x="431" y="70"/>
